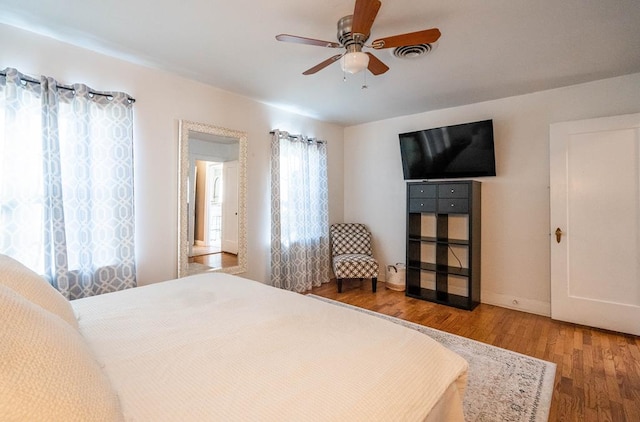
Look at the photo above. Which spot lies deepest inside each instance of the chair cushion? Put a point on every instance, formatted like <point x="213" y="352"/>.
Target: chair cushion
<point x="355" y="266"/>
<point x="348" y="227"/>
<point x="35" y="289"/>
<point x="48" y="371"/>
<point x="352" y="242"/>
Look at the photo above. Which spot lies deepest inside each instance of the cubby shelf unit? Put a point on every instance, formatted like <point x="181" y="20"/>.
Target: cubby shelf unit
<point x="440" y="268"/>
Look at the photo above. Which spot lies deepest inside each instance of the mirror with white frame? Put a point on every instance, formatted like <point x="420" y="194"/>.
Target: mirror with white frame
<point x="212" y="186"/>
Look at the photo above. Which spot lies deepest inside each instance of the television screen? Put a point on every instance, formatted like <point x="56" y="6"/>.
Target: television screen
<point x="464" y="150"/>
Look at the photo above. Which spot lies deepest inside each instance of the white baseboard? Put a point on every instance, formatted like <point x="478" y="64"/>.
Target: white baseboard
<point x="200" y="243"/>
<point x="506" y="301"/>
<point x="518" y="303"/>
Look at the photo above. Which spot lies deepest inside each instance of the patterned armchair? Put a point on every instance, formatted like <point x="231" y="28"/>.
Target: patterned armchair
<point x="351" y="253"/>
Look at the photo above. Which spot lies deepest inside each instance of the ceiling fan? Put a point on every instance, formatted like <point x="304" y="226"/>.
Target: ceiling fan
<point x="353" y="32"/>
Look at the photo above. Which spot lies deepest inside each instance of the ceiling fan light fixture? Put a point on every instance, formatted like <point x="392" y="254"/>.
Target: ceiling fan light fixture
<point x="354" y="62"/>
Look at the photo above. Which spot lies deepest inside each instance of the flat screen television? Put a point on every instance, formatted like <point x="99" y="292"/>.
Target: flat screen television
<point x="464" y="150"/>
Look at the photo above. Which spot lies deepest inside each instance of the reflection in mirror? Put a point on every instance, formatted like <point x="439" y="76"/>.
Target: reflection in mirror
<point x="212" y="195"/>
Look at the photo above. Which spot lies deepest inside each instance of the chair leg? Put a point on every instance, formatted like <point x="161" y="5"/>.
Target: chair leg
<point x="339" y="285"/>
<point x="374" y="284"/>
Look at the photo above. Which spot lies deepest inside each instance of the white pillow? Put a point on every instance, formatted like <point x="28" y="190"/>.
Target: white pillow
<point x="48" y="371"/>
<point x="35" y="288"/>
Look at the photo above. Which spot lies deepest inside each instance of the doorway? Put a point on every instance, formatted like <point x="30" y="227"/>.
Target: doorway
<point x="213" y="207"/>
<point x="595" y="232"/>
<point x="215" y="213"/>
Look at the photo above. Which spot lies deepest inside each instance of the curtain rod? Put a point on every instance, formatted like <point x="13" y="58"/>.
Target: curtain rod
<point x="68" y="88"/>
<point x="318" y="141"/>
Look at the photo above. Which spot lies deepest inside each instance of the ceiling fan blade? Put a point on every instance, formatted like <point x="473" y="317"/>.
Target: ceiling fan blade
<point x="376" y="66"/>
<point x="364" y="14"/>
<point x="427" y="36"/>
<point x="322" y="65"/>
<point x="307" y="41"/>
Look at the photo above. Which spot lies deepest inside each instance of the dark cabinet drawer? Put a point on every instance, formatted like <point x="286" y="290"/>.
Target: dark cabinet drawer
<point x="422" y="205"/>
<point x="453" y="190"/>
<point x="422" y="191"/>
<point x="453" y="206"/>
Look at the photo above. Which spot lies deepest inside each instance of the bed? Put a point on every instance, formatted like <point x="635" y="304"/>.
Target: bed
<point x="219" y="347"/>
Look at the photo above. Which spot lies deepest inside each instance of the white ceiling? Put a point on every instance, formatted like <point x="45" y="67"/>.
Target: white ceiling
<point x="489" y="48"/>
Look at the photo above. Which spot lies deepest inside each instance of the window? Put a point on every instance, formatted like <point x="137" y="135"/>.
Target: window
<point x="299" y="212"/>
<point x="66" y="183"/>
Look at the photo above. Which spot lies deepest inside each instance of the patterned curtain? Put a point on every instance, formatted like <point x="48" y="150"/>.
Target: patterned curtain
<point x="66" y="183"/>
<point x="299" y="212"/>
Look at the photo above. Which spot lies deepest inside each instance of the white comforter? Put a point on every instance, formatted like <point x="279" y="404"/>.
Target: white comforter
<point x="218" y="347"/>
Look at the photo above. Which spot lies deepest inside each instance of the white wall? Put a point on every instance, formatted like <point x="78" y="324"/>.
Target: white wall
<point x="365" y="177"/>
<point x="515" y="204"/>
<point x="163" y="99"/>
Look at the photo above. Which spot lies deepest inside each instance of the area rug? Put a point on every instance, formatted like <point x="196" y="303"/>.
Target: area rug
<point x="502" y="385"/>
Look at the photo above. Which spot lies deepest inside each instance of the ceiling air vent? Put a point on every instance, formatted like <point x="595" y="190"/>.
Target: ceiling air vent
<point x="412" y="51"/>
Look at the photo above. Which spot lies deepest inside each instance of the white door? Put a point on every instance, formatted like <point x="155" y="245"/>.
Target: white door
<point x="213" y="206"/>
<point x="595" y="210"/>
<point x="230" y="207"/>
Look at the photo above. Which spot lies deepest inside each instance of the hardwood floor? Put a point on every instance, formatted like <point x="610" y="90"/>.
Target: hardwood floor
<point x="598" y="372"/>
<point x="216" y="260"/>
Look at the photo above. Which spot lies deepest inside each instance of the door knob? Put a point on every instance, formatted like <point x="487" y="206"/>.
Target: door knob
<point x="558" y="235"/>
